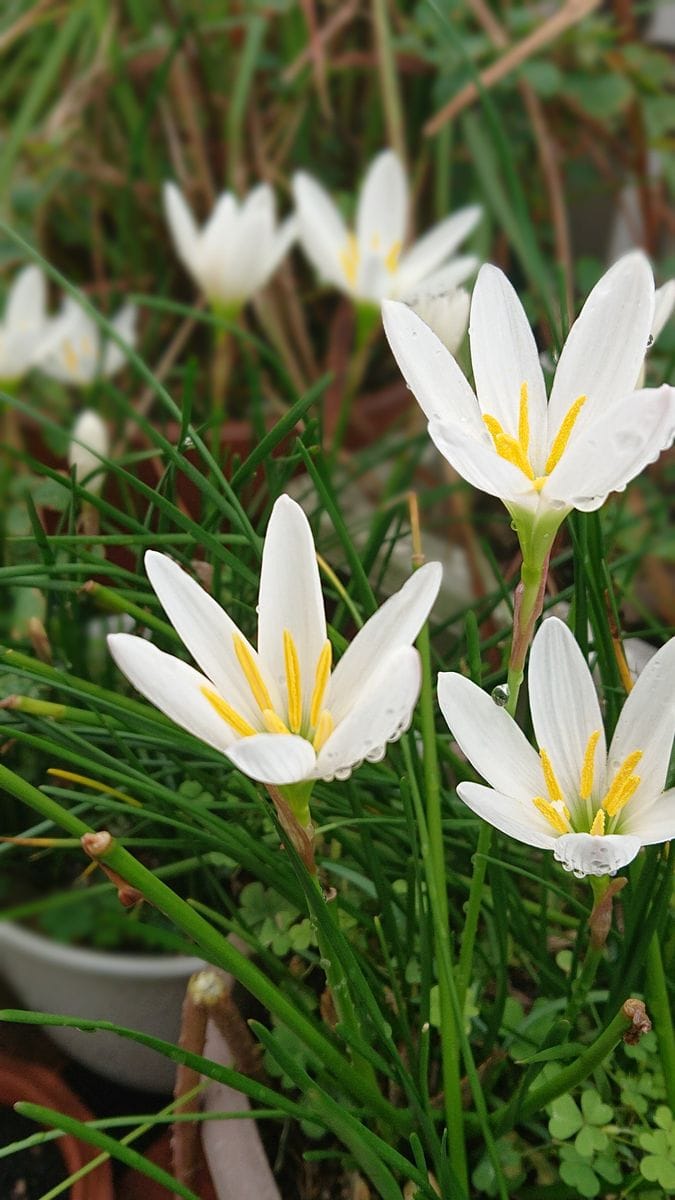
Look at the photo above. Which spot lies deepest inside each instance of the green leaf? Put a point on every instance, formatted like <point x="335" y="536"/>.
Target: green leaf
<point x="566" y="1119"/>
<point x="593" y="1108"/>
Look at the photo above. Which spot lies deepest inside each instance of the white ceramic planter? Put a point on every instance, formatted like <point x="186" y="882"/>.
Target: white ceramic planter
<point x="139" y="991"/>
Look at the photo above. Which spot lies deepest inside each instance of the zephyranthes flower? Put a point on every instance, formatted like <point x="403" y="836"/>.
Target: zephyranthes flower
<point x="74" y="349"/>
<point x="238" y="248"/>
<point x="543" y="458"/>
<point x="370" y="262"/>
<point x="280" y="713"/>
<point x="593" y="808"/>
<point x="89" y="443"/>
<point x="24" y="324"/>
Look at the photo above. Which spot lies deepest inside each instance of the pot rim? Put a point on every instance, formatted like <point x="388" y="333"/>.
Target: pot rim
<point x="103" y="962"/>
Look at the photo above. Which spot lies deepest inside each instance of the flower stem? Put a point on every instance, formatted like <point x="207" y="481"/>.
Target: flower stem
<point x="367" y="323"/>
<point x="476" y="892"/>
<point x="657" y="993"/>
<point x="529" y="601"/>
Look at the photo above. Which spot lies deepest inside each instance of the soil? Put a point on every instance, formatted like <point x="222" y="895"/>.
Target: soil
<point x="31" y="1173"/>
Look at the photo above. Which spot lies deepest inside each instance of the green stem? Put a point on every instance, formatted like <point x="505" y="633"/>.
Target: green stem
<point x="476" y="893"/>
<point x="529" y="601"/>
<point x="367" y="326"/>
<point x="389" y="86"/>
<point x="659" y="1004"/>
<point x="216" y="948"/>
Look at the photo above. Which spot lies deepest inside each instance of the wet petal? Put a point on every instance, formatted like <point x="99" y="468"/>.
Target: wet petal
<point x="275" y="758"/>
<point x="585" y="854"/>
<point x="654" y="823"/>
<point x="647" y="723"/>
<point x="478" y="462"/>
<point x="513" y="817"/>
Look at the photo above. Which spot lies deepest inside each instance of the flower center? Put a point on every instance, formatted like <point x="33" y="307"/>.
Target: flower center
<point x="318" y="725"/>
<point x="619" y="792"/>
<point x="349" y="259"/>
<point x="516" y="450"/>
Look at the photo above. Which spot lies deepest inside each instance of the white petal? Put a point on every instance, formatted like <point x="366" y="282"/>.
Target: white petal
<point x="124" y="324"/>
<point x="323" y="233"/>
<point x="647" y="723"/>
<point x="520" y="821"/>
<point x="89" y="443"/>
<point x="396" y="623"/>
<point x="382" y="212"/>
<point x="604" y="351"/>
<point x="429" y="370"/>
<point x="504" y="356"/>
<point x="207" y="631"/>
<point x="27" y="299"/>
<point x="182" y="224"/>
<point x="586" y="854"/>
<point x="655" y="822"/>
<point x="275" y="758"/>
<point x="290" y="596"/>
<point x="446" y="313"/>
<point x="478" y="462"/>
<point x="664" y="303"/>
<point x="490" y="739"/>
<point x="613" y="449"/>
<point x="283" y="239"/>
<point x="457" y="271"/>
<point x="433" y="248"/>
<point x="382" y="712"/>
<point x="565" y="709"/>
<point x="172" y="686"/>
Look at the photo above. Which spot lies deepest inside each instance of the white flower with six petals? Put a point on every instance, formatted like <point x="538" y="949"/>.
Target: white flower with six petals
<point x="592" y="807"/>
<point x="278" y="712"/>
<point x="24" y="324"/>
<point x="75" y="351"/>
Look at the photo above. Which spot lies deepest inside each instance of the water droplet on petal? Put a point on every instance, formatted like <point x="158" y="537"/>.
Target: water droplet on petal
<point x="650" y="340"/>
<point x="501" y="695"/>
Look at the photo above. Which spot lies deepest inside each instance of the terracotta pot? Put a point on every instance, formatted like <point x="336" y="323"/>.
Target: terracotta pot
<point x="22" y="1080"/>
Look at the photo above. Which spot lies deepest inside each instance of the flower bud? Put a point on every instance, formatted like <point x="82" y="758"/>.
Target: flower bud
<point x="89" y="443"/>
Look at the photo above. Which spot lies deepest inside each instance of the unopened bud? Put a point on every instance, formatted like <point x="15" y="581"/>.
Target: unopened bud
<point x="636" y="1013"/>
<point x="89" y="443"/>
<point x="446" y="313"/>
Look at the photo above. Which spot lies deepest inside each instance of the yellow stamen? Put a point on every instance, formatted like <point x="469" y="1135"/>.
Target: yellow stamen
<point x="293" y="682"/>
<point x="70" y="355"/>
<point x="598" y="826"/>
<point x="562" y="437"/>
<point x="623" y="785"/>
<point x="556" y="819"/>
<point x="273" y="723"/>
<point x="493" y="426"/>
<point x="508" y="448"/>
<point x="324" y="728"/>
<point x="552" y="786"/>
<point x="391" y="260"/>
<point x="349" y="259"/>
<point x="524" y="420"/>
<point x="252" y="672"/>
<point x="588" y="766"/>
<point x="321" y="677"/>
<point x="229" y="714"/>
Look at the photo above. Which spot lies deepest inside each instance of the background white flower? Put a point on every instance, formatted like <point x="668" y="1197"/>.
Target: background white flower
<point x="278" y="713"/>
<point x="369" y="262"/>
<point x="595" y="434"/>
<point x="74" y="351"/>
<point x="23" y="325"/>
<point x="89" y="443"/>
<point x="234" y="254"/>
<point x="592" y="808"/>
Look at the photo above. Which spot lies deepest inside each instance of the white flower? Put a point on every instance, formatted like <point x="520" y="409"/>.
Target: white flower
<point x="592" y="437"/>
<point x="24" y="324"/>
<point x="370" y="263"/>
<point x="74" y="350"/>
<point x="278" y="713"/>
<point x="89" y="443"/>
<point x="238" y="248"/>
<point x="445" y="312"/>
<point x="664" y="303"/>
<point x="592" y="808"/>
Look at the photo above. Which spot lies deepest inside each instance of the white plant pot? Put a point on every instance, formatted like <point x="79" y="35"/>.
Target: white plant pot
<point x="139" y="991"/>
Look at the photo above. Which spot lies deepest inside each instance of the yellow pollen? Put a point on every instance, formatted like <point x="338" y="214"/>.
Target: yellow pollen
<point x="349" y="259"/>
<point x="393" y="255"/>
<point x="293" y="682"/>
<point x="524" y="420"/>
<point x="273" y="723"/>
<point x="321" y="677"/>
<point x="70" y="355"/>
<point x="324" y="728"/>
<point x="252" y="672"/>
<point x="588" y="766"/>
<point x="562" y="437"/>
<point x="552" y="786"/>
<point x="623" y="785"/>
<point x="598" y="826"/>
<point x="224" y="710"/>
<point x="556" y="819"/>
<point x="539" y="482"/>
<point x="507" y="447"/>
<point x="493" y="426"/>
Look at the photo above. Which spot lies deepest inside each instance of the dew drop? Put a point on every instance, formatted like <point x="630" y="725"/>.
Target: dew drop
<point x="501" y="694"/>
<point x="650" y="340"/>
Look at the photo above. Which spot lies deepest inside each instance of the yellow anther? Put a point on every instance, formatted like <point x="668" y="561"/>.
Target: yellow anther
<point x="273" y="723"/>
<point x="324" y="728"/>
<point x="562" y="437"/>
<point x="598" y="826"/>
<point x="293" y="682"/>
<point x="559" y="822"/>
<point x="493" y="425"/>
<point x="70" y="355"/>
<point x="393" y="255"/>
<point x="321" y="677"/>
<point x="229" y="714"/>
<point x="252" y="672"/>
<point x="349" y="259"/>
<point x="552" y="786"/>
<point x="507" y="447"/>
<point x="524" y="420"/>
<point x="588" y="766"/>
<point x="623" y="785"/>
